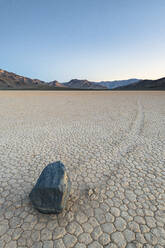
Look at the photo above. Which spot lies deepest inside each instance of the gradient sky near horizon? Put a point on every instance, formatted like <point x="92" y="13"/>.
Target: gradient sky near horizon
<point x="86" y="39"/>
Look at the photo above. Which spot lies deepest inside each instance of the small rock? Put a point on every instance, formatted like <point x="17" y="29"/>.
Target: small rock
<point x="90" y="192"/>
<point x="52" y="189"/>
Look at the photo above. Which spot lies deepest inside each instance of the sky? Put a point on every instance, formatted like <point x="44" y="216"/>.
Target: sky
<point x="98" y="40"/>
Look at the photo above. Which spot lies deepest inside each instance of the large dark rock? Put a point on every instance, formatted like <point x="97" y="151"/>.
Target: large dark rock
<point x="52" y="189"/>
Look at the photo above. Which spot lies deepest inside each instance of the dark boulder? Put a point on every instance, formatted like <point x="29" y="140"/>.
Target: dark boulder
<point x="52" y="189"/>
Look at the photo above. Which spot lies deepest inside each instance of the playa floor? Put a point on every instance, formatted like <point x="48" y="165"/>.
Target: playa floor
<point x="113" y="146"/>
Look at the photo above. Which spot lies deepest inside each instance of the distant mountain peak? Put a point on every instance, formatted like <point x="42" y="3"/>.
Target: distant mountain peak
<point x="56" y="84"/>
<point x="118" y="83"/>
<point x="83" y="84"/>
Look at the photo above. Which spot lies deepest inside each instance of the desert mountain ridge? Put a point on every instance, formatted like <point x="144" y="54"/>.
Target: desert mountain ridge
<point x="118" y="83"/>
<point x="146" y="84"/>
<point x="10" y="80"/>
<point x="84" y="84"/>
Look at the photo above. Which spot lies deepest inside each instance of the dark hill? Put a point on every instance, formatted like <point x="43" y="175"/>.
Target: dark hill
<point x="158" y="84"/>
<point x="83" y="84"/>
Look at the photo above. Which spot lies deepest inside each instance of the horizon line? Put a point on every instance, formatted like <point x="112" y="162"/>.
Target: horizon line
<point x="94" y="81"/>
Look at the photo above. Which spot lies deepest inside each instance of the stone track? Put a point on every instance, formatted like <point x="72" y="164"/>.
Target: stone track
<point x="132" y="137"/>
<point x="112" y="144"/>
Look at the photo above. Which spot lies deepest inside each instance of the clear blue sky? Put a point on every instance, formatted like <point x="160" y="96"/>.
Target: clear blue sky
<point x="93" y="39"/>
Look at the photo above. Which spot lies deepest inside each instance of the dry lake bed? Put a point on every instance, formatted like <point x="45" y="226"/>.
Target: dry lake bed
<point x="113" y="146"/>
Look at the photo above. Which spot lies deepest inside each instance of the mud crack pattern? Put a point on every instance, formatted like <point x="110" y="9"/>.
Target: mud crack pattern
<point x="113" y="146"/>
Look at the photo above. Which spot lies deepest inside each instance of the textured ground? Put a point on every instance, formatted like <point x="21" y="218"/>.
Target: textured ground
<point x="113" y="145"/>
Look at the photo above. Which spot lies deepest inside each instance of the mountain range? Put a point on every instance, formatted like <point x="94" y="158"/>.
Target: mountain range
<point x="118" y="83"/>
<point x="10" y="80"/>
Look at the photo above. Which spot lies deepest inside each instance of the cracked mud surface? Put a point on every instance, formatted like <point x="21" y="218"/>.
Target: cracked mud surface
<point x="113" y="146"/>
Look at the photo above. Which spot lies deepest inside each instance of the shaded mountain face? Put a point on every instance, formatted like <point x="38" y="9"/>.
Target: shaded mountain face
<point x="158" y="84"/>
<point x="118" y="83"/>
<point x="9" y="80"/>
<point x="12" y="80"/>
<point x="83" y="84"/>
